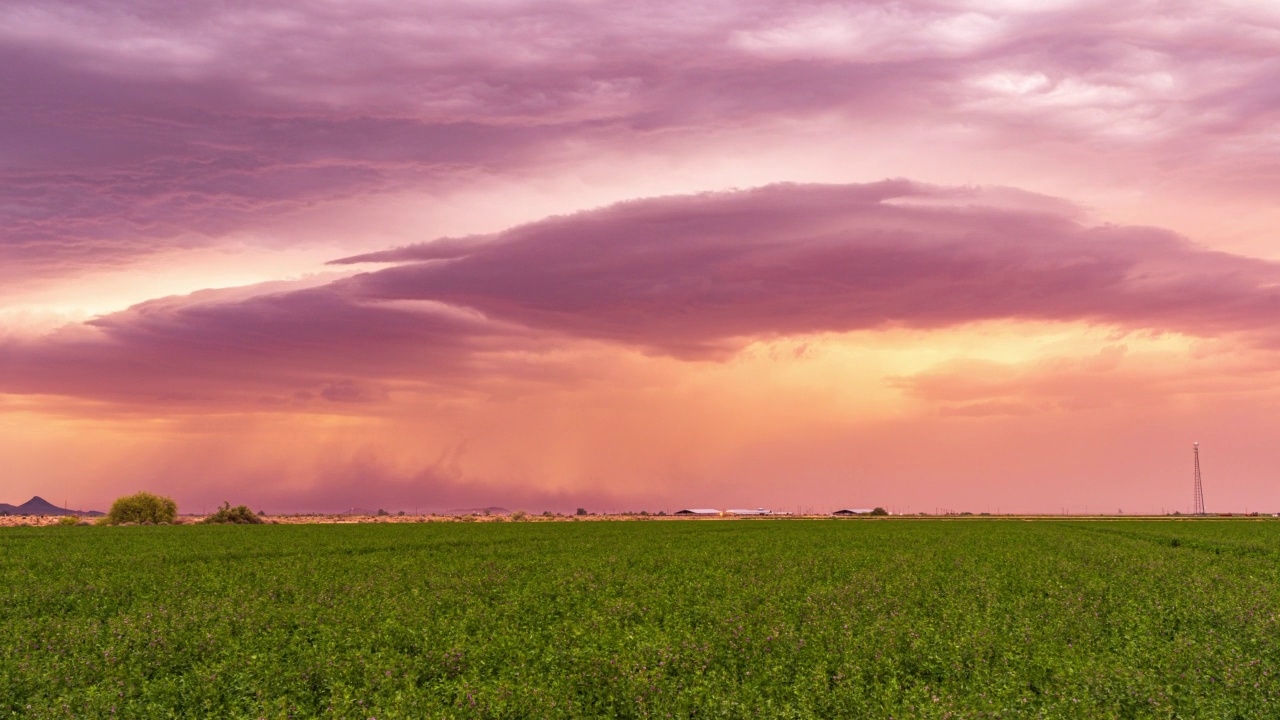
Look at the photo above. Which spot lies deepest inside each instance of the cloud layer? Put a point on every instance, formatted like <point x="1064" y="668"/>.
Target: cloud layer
<point x="694" y="277"/>
<point x="128" y="129"/>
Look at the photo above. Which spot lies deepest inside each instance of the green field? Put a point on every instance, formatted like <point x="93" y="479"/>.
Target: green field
<point x="799" y="618"/>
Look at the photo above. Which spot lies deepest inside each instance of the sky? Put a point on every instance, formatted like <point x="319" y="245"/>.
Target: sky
<point x="967" y="255"/>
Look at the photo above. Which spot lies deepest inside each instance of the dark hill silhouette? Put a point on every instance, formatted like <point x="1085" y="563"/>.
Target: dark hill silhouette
<point x="39" y="506"/>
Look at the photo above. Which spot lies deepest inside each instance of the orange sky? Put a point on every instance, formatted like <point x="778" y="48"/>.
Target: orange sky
<point x="960" y="255"/>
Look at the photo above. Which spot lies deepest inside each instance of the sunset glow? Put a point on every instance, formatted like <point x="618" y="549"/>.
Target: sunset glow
<point x="969" y="255"/>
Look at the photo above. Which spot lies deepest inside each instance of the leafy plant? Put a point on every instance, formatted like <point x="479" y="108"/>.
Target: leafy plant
<point x="912" y="619"/>
<point x="142" y="507"/>
<point x="68" y="520"/>
<point x="227" y="515"/>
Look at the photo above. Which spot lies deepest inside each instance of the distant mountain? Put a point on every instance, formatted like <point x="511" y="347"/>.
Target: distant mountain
<point x="39" y="506"/>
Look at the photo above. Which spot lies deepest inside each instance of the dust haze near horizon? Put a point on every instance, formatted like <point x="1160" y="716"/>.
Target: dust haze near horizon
<point x="543" y="255"/>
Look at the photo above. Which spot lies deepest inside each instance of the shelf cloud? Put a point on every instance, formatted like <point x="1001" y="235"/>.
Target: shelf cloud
<point x="695" y="277"/>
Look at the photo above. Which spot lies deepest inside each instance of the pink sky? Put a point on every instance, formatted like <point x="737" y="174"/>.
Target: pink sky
<point x="969" y="255"/>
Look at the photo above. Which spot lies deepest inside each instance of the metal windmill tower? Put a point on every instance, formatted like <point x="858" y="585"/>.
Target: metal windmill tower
<point x="1199" y="499"/>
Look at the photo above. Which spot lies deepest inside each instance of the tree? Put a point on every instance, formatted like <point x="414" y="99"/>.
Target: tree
<point x="141" y="508"/>
<point x="879" y="511"/>
<point x="238" y="515"/>
<point x="581" y="511"/>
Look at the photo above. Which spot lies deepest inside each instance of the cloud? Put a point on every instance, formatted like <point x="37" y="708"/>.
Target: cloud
<point x="695" y="277"/>
<point x="1160" y="375"/>
<point x="166" y="127"/>
<point x="281" y="349"/>
<point x="988" y="409"/>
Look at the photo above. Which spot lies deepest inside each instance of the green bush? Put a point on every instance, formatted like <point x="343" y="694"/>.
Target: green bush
<point x="141" y="508"/>
<point x="238" y="515"/>
<point x="68" y="520"/>
<point x="879" y="511"/>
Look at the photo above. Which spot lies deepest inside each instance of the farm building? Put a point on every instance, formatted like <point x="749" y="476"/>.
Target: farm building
<point x="852" y="511"/>
<point x="757" y="511"/>
<point x="698" y="511"/>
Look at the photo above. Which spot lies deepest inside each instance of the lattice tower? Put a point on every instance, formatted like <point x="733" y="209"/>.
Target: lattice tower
<point x="1199" y="498"/>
